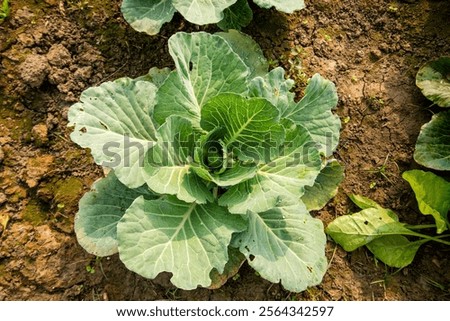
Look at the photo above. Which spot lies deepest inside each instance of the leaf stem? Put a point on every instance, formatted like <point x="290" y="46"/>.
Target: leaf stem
<point x="420" y="227"/>
<point x="431" y="238"/>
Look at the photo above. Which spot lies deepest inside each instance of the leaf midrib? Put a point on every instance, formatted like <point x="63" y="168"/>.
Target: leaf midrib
<point x="235" y="136"/>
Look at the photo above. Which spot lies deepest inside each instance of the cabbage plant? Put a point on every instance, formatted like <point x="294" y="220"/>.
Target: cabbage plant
<point x="208" y="160"/>
<point x="433" y="144"/>
<point x="149" y="15"/>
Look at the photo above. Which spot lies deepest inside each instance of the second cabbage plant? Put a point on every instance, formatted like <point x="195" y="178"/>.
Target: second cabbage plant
<point x="212" y="157"/>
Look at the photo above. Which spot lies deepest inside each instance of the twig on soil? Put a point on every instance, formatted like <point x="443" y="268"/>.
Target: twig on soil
<point x="332" y="256"/>
<point x="112" y="74"/>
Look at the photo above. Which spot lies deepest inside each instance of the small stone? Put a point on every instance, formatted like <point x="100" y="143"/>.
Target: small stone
<point x="40" y="134"/>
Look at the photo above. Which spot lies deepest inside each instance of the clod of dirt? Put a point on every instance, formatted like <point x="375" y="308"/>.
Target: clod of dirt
<point x="23" y="16"/>
<point x="2" y="155"/>
<point x="37" y="168"/>
<point x="34" y="70"/>
<point x="58" y="56"/>
<point x="39" y="133"/>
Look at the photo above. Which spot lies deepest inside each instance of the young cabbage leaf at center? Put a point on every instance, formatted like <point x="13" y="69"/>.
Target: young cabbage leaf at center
<point x="208" y="159"/>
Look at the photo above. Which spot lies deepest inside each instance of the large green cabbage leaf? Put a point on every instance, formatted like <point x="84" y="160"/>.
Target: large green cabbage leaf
<point x="187" y="239"/>
<point x="214" y="154"/>
<point x="433" y="144"/>
<point x="432" y="194"/>
<point x="283" y="244"/>
<point x="149" y="15"/>
<point x="433" y="79"/>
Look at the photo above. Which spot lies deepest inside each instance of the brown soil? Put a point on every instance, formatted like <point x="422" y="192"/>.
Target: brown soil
<point x="52" y="50"/>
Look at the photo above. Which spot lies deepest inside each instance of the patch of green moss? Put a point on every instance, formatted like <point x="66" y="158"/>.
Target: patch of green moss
<point x="68" y="192"/>
<point x="16" y="125"/>
<point x="34" y="214"/>
<point x="330" y="33"/>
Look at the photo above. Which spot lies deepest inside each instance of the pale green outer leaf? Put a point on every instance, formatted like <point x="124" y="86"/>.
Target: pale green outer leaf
<point x="248" y="50"/>
<point x="287" y="245"/>
<point x="356" y="230"/>
<point x="325" y="186"/>
<point x="205" y="67"/>
<point x="113" y="120"/>
<point x="395" y="250"/>
<point x="288" y="6"/>
<point x="275" y="88"/>
<point x="279" y="182"/>
<point x="250" y="125"/>
<point x="432" y="194"/>
<point x="147" y="15"/>
<point x="433" y="144"/>
<point x="169" y="235"/>
<point x="236" y="16"/>
<point x="313" y="112"/>
<point x="202" y="12"/>
<point x="156" y="76"/>
<point x="99" y="212"/>
<point x="167" y="167"/>
<point x="434" y="80"/>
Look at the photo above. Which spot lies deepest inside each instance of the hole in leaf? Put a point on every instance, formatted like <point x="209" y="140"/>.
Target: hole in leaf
<point x="103" y="125"/>
<point x="366" y="223"/>
<point x="251" y="257"/>
<point x="191" y="66"/>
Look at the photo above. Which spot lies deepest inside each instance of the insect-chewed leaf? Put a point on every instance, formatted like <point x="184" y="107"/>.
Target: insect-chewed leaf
<point x="205" y="67"/>
<point x="113" y="120"/>
<point x="356" y="230"/>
